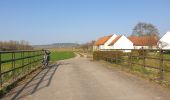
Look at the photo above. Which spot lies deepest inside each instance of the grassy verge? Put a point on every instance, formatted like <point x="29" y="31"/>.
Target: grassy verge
<point x="61" y="55"/>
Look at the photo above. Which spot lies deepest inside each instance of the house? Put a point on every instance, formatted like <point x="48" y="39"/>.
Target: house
<point x="145" y="42"/>
<point x="113" y="42"/>
<point x="164" y="42"/>
<point x="103" y="43"/>
<point x="121" y="42"/>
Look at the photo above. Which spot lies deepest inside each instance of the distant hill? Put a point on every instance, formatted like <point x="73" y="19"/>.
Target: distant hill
<point x="57" y="45"/>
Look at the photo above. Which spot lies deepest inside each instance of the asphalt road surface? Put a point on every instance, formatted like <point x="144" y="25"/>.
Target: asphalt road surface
<point x="82" y="79"/>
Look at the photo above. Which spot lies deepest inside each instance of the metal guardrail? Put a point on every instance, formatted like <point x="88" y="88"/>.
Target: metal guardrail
<point x="112" y="55"/>
<point x="16" y="64"/>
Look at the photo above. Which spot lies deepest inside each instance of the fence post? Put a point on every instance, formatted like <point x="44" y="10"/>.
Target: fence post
<point x="22" y="56"/>
<point x="130" y="60"/>
<point x="0" y="71"/>
<point x="144" y="62"/>
<point x="13" y="65"/>
<point x="116" y="57"/>
<point x="29" y="62"/>
<point x="161" y="64"/>
<point x="33" y="59"/>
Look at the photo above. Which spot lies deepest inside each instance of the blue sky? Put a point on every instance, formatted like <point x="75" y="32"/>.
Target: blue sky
<point x="80" y="21"/>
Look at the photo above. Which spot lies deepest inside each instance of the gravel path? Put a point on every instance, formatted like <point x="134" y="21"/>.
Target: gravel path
<point x="82" y="79"/>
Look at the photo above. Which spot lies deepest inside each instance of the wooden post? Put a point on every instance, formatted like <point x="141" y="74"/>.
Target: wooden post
<point x="13" y="65"/>
<point x="33" y="60"/>
<point x="28" y="62"/>
<point x="161" y="64"/>
<point x="130" y="60"/>
<point x="144" y="56"/>
<point x="0" y="71"/>
<point x="116" y="57"/>
<point x="22" y="64"/>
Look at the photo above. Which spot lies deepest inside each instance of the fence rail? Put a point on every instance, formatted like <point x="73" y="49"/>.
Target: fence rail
<point x="16" y="64"/>
<point x="141" y="57"/>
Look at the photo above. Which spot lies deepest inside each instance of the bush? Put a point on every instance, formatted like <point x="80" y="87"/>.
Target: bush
<point x="139" y="53"/>
<point x="113" y="56"/>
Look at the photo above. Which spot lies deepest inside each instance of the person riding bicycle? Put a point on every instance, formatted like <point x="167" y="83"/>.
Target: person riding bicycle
<point x="46" y="57"/>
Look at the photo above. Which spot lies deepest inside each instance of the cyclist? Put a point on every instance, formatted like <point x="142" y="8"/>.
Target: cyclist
<point x="46" y="57"/>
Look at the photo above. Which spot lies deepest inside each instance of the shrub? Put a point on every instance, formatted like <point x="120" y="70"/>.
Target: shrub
<point x="113" y="56"/>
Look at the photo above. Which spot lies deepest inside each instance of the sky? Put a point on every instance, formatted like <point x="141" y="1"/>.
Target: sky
<point x="78" y="21"/>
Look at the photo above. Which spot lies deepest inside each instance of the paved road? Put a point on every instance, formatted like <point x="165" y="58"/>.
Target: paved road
<point x="82" y="79"/>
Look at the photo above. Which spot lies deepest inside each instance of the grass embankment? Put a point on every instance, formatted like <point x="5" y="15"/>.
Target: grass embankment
<point x="61" y="55"/>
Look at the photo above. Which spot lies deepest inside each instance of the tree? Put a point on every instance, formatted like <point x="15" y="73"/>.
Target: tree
<point x="145" y="29"/>
<point x="15" y="45"/>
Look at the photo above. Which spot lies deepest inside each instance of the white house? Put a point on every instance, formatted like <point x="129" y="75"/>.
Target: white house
<point x="103" y="43"/>
<point x="164" y="42"/>
<point x="113" y="42"/>
<point x="121" y="42"/>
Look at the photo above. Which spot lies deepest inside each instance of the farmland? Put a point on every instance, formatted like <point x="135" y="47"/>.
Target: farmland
<point x="55" y="56"/>
<point x="61" y="55"/>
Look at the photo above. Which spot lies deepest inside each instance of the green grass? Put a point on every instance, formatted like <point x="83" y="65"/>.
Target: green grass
<point x="18" y="72"/>
<point x="55" y="56"/>
<point x="167" y="56"/>
<point x="61" y="55"/>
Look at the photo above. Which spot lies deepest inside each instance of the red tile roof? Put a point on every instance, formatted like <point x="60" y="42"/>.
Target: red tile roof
<point x="115" y="40"/>
<point x="102" y="40"/>
<point x="144" y="41"/>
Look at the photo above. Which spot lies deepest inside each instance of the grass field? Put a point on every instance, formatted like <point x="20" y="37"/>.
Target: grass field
<point x="61" y="55"/>
<point x="167" y="56"/>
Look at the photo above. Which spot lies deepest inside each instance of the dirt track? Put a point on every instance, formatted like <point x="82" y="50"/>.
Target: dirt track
<point x="82" y="79"/>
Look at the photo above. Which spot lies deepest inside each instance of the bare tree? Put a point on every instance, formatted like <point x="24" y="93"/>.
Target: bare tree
<point x="15" y="45"/>
<point x="148" y="31"/>
<point x="145" y="29"/>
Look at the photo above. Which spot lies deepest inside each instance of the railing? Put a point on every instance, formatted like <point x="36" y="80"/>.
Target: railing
<point x="16" y="64"/>
<point x="152" y="59"/>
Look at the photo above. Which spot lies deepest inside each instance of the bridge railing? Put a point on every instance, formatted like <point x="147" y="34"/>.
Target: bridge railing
<point x="148" y="60"/>
<point x="16" y="64"/>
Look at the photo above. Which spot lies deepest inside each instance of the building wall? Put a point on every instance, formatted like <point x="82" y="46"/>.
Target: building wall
<point x="123" y="43"/>
<point x="166" y="41"/>
<point x="145" y="47"/>
<point x="106" y="45"/>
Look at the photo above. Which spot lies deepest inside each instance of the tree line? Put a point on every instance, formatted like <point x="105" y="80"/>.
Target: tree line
<point x="15" y="45"/>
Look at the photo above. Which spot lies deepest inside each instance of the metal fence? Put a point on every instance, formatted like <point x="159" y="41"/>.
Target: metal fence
<point x="16" y="64"/>
<point x="151" y="59"/>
